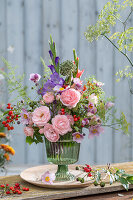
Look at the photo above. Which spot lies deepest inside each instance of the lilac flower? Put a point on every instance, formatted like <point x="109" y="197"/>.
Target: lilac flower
<point x="55" y="78"/>
<point x="34" y="77"/>
<point x="109" y="105"/>
<point x="25" y="116"/>
<point x="85" y="122"/>
<point x="57" y="60"/>
<point x="52" y="68"/>
<point x="48" y="86"/>
<point x="95" y="130"/>
<point x="41" y="91"/>
<point x="77" y="137"/>
<point x="48" y="177"/>
<point x="50" y="53"/>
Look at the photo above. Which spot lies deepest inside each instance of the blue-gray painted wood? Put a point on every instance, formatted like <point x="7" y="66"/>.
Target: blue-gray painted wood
<point x="27" y="25"/>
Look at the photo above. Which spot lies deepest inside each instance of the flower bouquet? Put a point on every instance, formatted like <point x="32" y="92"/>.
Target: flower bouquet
<point x="63" y="107"/>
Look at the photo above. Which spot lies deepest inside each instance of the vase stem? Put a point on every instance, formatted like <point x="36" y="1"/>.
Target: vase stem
<point x="63" y="174"/>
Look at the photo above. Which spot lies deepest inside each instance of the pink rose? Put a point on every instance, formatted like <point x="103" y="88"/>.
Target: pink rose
<point x="41" y="115"/>
<point x="29" y="131"/>
<point x="30" y="119"/>
<point x="71" y="119"/>
<point x="50" y="133"/>
<point x="70" y="98"/>
<point x="48" y="97"/>
<point x="61" y="124"/>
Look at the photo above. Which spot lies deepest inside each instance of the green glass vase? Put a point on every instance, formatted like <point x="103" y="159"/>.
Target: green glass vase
<point x="63" y="153"/>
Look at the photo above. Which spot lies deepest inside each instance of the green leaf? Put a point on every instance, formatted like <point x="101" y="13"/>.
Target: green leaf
<point x="130" y="179"/>
<point x="29" y="140"/>
<point x="39" y="138"/>
<point x="124" y="182"/>
<point x="76" y="128"/>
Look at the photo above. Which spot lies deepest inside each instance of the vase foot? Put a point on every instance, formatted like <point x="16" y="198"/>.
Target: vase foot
<point x="63" y="174"/>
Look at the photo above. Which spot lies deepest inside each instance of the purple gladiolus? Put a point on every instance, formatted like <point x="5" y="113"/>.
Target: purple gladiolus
<point x="55" y="78"/>
<point x="52" y="68"/>
<point x="77" y="137"/>
<point x="57" y="60"/>
<point x="50" y="53"/>
<point x="34" y="77"/>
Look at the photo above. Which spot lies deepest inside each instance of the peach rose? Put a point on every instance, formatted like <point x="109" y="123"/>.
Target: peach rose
<point x="50" y="133"/>
<point x="29" y="131"/>
<point x="71" y="119"/>
<point x="61" y="124"/>
<point x="48" y="97"/>
<point x="41" y="115"/>
<point x="70" y="98"/>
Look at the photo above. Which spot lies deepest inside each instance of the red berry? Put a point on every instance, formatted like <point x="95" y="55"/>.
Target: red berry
<point x="7" y="121"/>
<point x="62" y="109"/>
<point x="8" y="107"/>
<point x="8" y="117"/>
<point x="17" y="116"/>
<point x="11" y="108"/>
<point x="17" y="184"/>
<point x="9" y="104"/>
<point x="19" y="192"/>
<point x="89" y="175"/>
<point x="16" y="119"/>
<point x="74" y="116"/>
<point x="27" y="189"/>
<point x="88" y="166"/>
<point x="11" y="188"/>
<point x="78" y="118"/>
<point x="12" y="116"/>
<point x="6" y="125"/>
<point x="63" y="113"/>
<point x="7" y="184"/>
<point x="2" y="186"/>
<point x="11" y="127"/>
<point x="75" y="119"/>
<point x="10" y="112"/>
<point x="8" y="192"/>
<point x="4" y="122"/>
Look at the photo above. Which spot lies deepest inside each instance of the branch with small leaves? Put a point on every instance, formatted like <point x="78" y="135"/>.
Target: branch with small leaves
<point x="99" y="176"/>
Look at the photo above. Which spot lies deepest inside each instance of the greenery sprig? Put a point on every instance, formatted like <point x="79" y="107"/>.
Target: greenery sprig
<point x="100" y="176"/>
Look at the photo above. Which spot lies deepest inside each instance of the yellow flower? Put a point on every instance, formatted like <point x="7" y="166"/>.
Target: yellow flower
<point x="6" y="155"/>
<point x="7" y="148"/>
<point x="2" y="134"/>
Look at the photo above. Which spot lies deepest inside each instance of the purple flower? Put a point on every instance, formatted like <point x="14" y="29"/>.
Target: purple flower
<point x="78" y="83"/>
<point x="57" y="60"/>
<point x="48" y="177"/>
<point x="25" y="116"/>
<point x="95" y="130"/>
<point x="48" y="86"/>
<point x="85" y="122"/>
<point x="55" y="78"/>
<point x="77" y="137"/>
<point x="109" y="105"/>
<point x="50" y="53"/>
<point x="34" y="77"/>
<point x="92" y="108"/>
<point x="52" y="68"/>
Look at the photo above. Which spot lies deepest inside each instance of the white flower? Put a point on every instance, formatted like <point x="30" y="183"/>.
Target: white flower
<point x="2" y="77"/>
<point x="93" y="99"/>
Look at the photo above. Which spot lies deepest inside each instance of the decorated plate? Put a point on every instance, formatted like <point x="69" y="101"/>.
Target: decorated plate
<point x="33" y="176"/>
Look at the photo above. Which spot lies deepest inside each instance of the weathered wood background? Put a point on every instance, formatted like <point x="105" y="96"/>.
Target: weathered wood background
<point x="26" y="25"/>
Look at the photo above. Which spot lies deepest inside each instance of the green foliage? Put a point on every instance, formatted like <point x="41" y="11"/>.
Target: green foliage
<point x="67" y="67"/>
<point x="15" y="83"/>
<point x="121" y="40"/>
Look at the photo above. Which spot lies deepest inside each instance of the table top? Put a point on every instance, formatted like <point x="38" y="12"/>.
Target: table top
<point x="38" y="193"/>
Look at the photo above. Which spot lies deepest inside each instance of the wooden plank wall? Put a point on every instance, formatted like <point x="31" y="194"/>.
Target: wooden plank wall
<point x="27" y="25"/>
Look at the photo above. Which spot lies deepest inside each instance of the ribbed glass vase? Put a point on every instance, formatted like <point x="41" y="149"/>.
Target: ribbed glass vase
<point x="63" y="153"/>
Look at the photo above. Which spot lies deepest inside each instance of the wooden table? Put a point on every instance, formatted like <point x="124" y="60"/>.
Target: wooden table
<point x="110" y="192"/>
